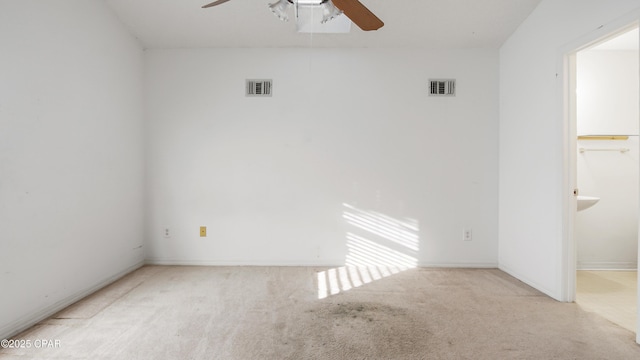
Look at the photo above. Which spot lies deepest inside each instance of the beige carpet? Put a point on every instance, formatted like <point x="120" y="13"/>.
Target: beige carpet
<point x="275" y="313"/>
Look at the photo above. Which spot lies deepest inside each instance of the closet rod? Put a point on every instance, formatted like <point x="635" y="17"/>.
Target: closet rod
<point x="622" y="150"/>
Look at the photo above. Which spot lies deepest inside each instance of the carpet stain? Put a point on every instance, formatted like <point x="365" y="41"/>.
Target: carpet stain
<point x="362" y="311"/>
<point x="359" y="327"/>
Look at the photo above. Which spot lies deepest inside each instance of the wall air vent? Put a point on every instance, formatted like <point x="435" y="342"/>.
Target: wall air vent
<point x="442" y="87"/>
<point x="259" y="87"/>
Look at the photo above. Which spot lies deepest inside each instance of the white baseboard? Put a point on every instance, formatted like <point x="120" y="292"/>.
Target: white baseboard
<point x="28" y="320"/>
<point x="459" y="265"/>
<point x="292" y="263"/>
<point x="302" y="263"/>
<point x="607" y="265"/>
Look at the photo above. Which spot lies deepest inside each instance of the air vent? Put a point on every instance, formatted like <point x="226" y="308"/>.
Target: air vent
<point x="445" y="87"/>
<point x="259" y="87"/>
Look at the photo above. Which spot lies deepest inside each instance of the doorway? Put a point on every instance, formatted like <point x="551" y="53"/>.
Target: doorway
<point x="604" y="126"/>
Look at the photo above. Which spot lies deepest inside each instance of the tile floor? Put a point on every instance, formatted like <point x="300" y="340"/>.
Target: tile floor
<point x="610" y="294"/>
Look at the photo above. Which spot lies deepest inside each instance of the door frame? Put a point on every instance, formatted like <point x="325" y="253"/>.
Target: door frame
<point x="567" y="99"/>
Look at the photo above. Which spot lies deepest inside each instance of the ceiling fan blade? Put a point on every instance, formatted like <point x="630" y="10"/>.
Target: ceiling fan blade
<point x="215" y="3"/>
<point x="359" y="14"/>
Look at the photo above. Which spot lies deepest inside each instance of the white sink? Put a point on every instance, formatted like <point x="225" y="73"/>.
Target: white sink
<point x="585" y="202"/>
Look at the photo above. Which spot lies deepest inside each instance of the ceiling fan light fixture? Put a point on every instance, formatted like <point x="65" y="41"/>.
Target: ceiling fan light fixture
<point x="329" y="11"/>
<point x="281" y="8"/>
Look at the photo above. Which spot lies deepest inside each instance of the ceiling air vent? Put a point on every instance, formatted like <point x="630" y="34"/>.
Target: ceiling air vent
<point x="444" y="87"/>
<point x="259" y="87"/>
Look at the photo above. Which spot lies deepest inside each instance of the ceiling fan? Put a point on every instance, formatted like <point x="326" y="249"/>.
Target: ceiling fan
<point x="353" y="9"/>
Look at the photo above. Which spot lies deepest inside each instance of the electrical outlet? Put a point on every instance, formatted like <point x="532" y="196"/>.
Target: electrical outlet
<point x="167" y="233"/>
<point x="203" y="231"/>
<point x="467" y="234"/>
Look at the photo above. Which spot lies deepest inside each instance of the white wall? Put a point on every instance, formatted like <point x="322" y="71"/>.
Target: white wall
<point x="71" y="155"/>
<point x="607" y="103"/>
<point x="531" y="135"/>
<point x="607" y="92"/>
<point x="270" y="177"/>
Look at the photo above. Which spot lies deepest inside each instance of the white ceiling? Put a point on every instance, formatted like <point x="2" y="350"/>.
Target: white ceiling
<point x="249" y="23"/>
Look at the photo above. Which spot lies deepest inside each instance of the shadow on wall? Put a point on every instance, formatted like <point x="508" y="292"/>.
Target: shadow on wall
<point x="378" y="246"/>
